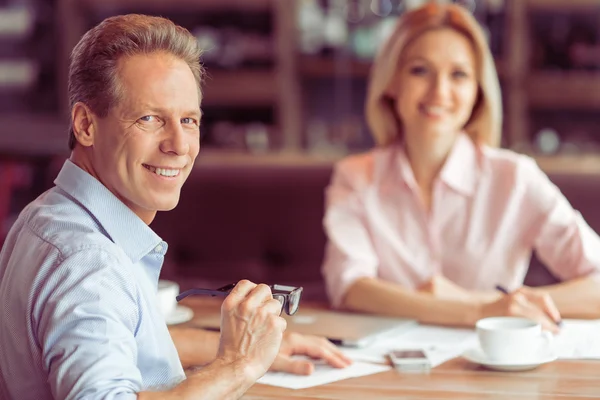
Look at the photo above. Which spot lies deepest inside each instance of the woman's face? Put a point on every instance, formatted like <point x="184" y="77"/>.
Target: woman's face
<point x="437" y="85"/>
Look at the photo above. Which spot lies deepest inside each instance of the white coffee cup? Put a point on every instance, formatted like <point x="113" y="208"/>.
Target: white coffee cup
<point x="166" y="296"/>
<point x="512" y="339"/>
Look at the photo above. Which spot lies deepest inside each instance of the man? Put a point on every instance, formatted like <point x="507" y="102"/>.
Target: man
<point x="79" y="269"/>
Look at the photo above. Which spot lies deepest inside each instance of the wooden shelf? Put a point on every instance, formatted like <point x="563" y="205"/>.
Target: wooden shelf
<point x="240" y="88"/>
<point x="327" y="67"/>
<point x="562" y="5"/>
<point x="564" y="90"/>
<point x="281" y="86"/>
<point x="188" y="5"/>
<point x="575" y="164"/>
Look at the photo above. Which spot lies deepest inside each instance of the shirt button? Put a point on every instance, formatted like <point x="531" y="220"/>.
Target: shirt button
<point x="158" y="248"/>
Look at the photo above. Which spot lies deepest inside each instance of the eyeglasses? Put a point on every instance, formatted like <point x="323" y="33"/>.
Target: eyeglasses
<point x="288" y="296"/>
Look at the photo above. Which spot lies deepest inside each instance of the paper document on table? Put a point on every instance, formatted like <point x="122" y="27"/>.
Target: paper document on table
<point x="578" y="339"/>
<point x="322" y="374"/>
<point x="439" y="343"/>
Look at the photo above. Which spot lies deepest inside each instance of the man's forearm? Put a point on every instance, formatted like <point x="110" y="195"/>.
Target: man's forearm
<point x="217" y="380"/>
<point x="578" y="298"/>
<point x="195" y="346"/>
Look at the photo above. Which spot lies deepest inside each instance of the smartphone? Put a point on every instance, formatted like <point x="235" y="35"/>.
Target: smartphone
<point x="410" y="360"/>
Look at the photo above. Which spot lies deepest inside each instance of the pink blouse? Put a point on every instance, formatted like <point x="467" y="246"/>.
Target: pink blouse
<point x="490" y="208"/>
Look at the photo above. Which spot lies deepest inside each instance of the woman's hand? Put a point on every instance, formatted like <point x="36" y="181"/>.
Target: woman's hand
<point x="528" y="303"/>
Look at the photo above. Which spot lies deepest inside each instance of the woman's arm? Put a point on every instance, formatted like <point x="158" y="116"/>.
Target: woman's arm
<point x="381" y="297"/>
<point x="566" y="244"/>
<point x="377" y="296"/>
<point x="577" y="298"/>
<point x="350" y="254"/>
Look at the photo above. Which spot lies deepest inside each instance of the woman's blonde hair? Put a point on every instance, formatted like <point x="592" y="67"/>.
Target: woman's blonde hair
<point x="485" y="123"/>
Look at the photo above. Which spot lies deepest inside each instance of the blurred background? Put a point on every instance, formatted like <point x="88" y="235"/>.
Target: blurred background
<point x="284" y="97"/>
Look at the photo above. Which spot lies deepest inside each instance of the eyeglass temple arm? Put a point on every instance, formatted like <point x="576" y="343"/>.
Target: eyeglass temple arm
<point x="225" y="290"/>
<point x="209" y="292"/>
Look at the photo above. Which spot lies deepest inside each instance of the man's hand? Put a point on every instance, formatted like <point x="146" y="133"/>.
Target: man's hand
<point x="251" y="328"/>
<point x="312" y="346"/>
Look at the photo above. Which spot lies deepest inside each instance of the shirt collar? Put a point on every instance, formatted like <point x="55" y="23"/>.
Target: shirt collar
<point x="121" y="224"/>
<point x="406" y="171"/>
<point x="459" y="171"/>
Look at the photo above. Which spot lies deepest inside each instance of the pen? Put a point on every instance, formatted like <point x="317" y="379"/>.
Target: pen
<point x="503" y="290"/>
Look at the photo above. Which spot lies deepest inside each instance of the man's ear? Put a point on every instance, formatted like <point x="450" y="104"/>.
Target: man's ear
<point x="84" y="127"/>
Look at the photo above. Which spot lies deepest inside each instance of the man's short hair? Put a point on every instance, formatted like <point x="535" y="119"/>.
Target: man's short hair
<point x="93" y="73"/>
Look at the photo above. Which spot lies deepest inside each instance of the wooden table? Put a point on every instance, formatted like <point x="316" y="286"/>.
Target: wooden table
<point x="456" y="379"/>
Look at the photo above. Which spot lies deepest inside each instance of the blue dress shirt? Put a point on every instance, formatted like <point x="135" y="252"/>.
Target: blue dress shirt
<point x="78" y="314"/>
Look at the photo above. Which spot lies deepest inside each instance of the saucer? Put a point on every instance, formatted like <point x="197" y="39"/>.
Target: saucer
<point x="477" y="356"/>
<point x="180" y="315"/>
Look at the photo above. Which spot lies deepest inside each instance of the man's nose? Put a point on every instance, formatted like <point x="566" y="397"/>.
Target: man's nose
<point x="175" y="141"/>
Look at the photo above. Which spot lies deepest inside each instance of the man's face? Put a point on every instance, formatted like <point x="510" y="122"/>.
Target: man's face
<point x="144" y="149"/>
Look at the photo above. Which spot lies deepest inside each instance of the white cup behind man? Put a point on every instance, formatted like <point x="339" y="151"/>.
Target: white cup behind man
<point x="166" y="297"/>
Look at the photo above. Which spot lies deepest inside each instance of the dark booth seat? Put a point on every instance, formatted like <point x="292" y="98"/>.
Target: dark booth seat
<point x="264" y="223"/>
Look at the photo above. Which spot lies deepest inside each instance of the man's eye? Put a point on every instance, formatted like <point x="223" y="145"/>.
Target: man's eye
<point x="148" y="118"/>
<point x="188" y="121"/>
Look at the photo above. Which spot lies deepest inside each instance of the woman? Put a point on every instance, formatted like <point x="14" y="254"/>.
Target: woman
<point x="431" y="221"/>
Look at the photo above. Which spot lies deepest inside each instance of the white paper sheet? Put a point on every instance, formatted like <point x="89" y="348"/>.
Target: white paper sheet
<point x="322" y="374"/>
<point x="578" y="339"/>
<point x="439" y="343"/>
